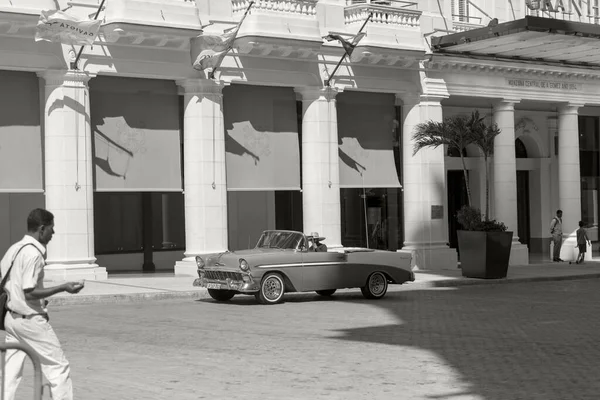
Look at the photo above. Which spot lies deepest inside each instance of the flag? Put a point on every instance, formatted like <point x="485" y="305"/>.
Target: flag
<point x="208" y="51"/>
<point x="346" y="44"/>
<point x="58" y="26"/>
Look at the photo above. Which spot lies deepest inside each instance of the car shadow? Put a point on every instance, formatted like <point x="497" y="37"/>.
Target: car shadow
<point x="308" y="297"/>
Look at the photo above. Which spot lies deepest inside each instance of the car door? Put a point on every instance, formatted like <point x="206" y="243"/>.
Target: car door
<point x="323" y="270"/>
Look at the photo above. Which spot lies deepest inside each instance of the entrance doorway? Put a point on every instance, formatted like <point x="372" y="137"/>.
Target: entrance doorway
<point x="457" y="197"/>
<point x="523" y="207"/>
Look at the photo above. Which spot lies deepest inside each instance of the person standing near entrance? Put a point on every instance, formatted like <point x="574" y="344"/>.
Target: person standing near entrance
<point x="557" y="234"/>
<point x="582" y="242"/>
<point x="27" y="318"/>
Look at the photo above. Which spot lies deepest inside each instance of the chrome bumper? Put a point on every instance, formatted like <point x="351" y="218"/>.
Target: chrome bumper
<point x="238" y="286"/>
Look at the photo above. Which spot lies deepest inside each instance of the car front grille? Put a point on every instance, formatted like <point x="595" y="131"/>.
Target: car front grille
<point x="223" y="275"/>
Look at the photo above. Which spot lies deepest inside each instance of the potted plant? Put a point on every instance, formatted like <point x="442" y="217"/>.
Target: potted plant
<point x="484" y="244"/>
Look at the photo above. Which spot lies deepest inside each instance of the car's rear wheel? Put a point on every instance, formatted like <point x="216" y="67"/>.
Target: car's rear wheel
<point x="327" y="292"/>
<point x="376" y="286"/>
<point x="272" y="288"/>
<point x="221" y="295"/>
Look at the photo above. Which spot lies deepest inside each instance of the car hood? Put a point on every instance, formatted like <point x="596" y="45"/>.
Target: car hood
<point x="253" y="256"/>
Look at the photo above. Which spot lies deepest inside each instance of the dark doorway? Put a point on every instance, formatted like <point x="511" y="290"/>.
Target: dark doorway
<point x="288" y="210"/>
<point x="523" y="206"/>
<point x="457" y="197"/>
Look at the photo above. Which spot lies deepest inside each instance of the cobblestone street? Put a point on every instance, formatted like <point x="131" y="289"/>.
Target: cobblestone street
<point x="494" y="342"/>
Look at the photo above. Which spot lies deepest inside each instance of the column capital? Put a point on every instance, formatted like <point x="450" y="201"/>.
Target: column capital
<point x="201" y="86"/>
<point x="312" y="93"/>
<point x="507" y="104"/>
<point x="71" y="78"/>
<point x="418" y="98"/>
<point x="569" y="108"/>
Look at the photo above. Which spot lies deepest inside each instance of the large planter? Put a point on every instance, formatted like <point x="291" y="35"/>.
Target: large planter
<point x="484" y="254"/>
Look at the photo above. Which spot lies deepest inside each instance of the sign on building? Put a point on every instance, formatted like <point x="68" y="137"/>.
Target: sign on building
<point x="581" y="9"/>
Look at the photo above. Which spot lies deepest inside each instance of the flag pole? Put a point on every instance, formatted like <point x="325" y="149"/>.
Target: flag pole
<point x="74" y="63"/>
<point x="212" y="73"/>
<point x="327" y="82"/>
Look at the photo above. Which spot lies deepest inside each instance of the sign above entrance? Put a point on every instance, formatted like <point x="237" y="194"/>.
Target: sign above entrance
<point x="585" y="9"/>
<point x="544" y="85"/>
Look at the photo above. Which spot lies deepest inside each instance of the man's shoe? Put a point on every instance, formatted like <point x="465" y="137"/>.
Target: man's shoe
<point x="559" y="260"/>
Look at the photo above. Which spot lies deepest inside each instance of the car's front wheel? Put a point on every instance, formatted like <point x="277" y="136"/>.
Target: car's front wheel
<point x="221" y="295"/>
<point x="327" y="292"/>
<point x="272" y="288"/>
<point x="376" y="286"/>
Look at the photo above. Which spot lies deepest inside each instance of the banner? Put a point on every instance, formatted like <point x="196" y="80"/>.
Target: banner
<point x="58" y="26"/>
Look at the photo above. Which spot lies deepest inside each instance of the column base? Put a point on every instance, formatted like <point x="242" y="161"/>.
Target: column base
<point x="519" y="254"/>
<point x="432" y="258"/>
<point x="186" y="267"/>
<point x="74" y="272"/>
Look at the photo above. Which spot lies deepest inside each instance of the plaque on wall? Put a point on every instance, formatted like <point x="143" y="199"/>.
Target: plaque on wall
<point x="437" y="212"/>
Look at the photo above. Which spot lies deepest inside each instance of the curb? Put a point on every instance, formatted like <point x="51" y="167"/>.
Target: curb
<point x="126" y="298"/>
<point x="202" y="294"/>
<point x="473" y="282"/>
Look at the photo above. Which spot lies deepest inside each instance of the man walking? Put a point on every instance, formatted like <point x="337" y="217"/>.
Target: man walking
<point x="27" y="318"/>
<point x="557" y="234"/>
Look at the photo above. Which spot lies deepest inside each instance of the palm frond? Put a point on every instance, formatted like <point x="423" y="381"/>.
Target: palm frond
<point x="452" y="132"/>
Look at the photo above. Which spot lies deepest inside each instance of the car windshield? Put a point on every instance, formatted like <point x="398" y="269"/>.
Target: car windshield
<point x="280" y="240"/>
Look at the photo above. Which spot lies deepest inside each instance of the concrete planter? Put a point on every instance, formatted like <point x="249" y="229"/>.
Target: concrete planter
<point x="484" y="254"/>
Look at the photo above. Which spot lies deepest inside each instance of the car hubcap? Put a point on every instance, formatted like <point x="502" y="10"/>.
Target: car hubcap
<point x="272" y="289"/>
<point x="377" y="284"/>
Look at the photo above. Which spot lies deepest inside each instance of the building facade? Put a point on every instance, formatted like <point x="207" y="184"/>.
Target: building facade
<point x="146" y="163"/>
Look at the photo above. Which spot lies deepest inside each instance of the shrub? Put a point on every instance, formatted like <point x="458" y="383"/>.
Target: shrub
<point x="471" y="219"/>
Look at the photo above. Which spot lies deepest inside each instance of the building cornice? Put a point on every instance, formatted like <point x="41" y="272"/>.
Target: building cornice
<point x="509" y="69"/>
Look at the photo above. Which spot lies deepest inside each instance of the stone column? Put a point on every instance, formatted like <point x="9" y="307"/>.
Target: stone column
<point x="68" y="176"/>
<point x="320" y="164"/>
<point x="505" y="178"/>
<point x="205" y="185"/>
<point x="569" y="176"/>
<point x="425" y="193"/>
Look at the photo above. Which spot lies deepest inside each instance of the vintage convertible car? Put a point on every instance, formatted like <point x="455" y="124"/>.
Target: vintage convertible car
<point x="281" y="263"/>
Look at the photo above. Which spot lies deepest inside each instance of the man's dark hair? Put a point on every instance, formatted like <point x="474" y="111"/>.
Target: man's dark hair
<point x="581" y="224"/>
<point x="559" y="211"/>
<point x="37" y="218"/>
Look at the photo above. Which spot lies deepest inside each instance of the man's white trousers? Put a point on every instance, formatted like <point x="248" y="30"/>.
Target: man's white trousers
<point x="38" y="334"/>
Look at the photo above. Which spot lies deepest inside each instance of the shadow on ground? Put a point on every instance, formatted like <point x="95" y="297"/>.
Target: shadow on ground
<point x="521" y="341"/>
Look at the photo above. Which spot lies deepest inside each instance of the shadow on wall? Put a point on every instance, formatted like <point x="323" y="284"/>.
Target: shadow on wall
<point x="105" y="163"/>
<point x="350" y="162"/>
<point x="234" y="147"/>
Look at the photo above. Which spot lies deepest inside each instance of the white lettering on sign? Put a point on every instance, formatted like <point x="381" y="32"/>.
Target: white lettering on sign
<point x="572" y="6"/>
<point x="539" y="84"/>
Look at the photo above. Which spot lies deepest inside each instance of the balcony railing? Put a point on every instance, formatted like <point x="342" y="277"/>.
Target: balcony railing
<point x="393" y="12"/>
<point x="291" y="7"/>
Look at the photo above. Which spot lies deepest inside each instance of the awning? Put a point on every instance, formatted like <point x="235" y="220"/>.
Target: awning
<point x="261" y="138"/>
<point x="137" y="144"/>
<point x="533" y="39"/>
<point x="366" y="140"/>
<point x="20" y="133"/>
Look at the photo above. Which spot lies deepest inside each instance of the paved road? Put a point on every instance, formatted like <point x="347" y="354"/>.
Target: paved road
<point x="501" y="342"/>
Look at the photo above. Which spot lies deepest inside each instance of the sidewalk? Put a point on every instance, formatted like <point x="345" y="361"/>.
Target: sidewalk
<point x="160" y="286"/>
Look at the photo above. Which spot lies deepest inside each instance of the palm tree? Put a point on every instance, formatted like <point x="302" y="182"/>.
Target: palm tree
<point x="483" y="137"/>
<point x="454" y="132"/>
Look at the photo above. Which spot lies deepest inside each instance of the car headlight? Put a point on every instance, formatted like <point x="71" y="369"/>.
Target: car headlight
<point x="244" y="265"/>
<point x="199" y="262"/>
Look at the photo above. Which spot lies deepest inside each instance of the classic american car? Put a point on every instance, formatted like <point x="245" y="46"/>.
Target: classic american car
<point x="281" y="262"/>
